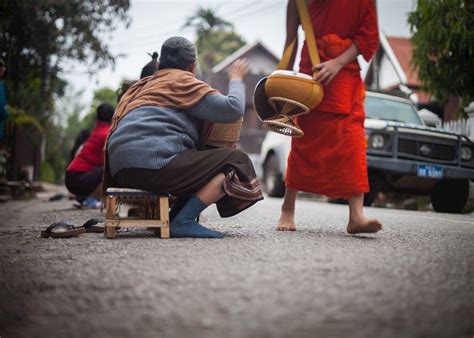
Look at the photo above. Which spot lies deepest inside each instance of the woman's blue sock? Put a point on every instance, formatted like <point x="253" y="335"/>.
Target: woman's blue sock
<point x="184" y="224"/>
<point x="177" y="206"/>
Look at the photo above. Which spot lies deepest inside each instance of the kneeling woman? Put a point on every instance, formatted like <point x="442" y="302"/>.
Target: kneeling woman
<point x="158" y="135"/>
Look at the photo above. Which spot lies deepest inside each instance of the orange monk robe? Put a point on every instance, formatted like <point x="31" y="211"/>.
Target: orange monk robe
<point x="330" y="159"/>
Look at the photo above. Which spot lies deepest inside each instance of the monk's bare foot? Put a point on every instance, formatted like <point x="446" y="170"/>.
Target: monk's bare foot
<point x="286" y="222"/>
<point x="363" y="226"/>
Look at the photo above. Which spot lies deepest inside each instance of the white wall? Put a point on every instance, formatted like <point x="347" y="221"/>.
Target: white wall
<point x="260" y="63"/>
<point x="388" y="76"/>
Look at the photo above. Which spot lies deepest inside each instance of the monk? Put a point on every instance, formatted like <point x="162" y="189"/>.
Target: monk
<point x="330" y="159"/>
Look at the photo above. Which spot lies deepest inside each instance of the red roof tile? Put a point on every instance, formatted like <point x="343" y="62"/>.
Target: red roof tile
<point x="403" y="50"/>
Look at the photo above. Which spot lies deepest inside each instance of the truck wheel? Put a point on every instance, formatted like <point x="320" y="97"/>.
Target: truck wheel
<point x="273" y="178"/>
<point x="369" y="198"/>
<point x="450" y="195"/>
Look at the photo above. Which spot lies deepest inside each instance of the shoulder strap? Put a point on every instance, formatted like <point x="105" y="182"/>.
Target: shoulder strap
<point x="310" y="37"/>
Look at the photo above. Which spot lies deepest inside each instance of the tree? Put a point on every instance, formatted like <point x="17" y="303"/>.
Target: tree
<point x="205" y="21"/>
<point x="37" y="37"/>
<point x="215" y="39"/>
<point x="217" y="45"/>
<point x="101" y="95"/>
<point x="443" y="39"/>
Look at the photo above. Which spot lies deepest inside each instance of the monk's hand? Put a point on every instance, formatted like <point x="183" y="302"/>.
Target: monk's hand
<point x="326" y="71"/>
<point x="239" y="70"/>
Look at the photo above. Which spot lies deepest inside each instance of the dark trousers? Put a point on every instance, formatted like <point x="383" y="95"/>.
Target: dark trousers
<point x="83" y="183"/>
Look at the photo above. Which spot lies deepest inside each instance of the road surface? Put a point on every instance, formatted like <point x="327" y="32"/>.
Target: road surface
<point x="414" y="279"/>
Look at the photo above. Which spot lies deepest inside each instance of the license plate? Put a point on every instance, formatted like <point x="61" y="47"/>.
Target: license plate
<point x="427" y="170"/>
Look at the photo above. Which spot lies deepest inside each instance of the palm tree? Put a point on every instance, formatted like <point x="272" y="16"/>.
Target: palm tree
<point x="205" y="20"/>
<point x="216" y="38"/>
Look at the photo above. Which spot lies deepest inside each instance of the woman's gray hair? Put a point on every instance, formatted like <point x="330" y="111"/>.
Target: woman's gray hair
<point x="177" y="52"/>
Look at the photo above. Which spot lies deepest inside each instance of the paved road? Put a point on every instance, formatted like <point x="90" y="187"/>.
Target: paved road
<point x="415" y="279"/>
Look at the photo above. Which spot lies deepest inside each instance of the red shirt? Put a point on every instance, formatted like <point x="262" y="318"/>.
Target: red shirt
<point x="92" y="153"/>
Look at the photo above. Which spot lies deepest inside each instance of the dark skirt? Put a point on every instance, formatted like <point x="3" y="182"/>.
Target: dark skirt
<point x="83" y="183"/>
<point x="190" y="171"/>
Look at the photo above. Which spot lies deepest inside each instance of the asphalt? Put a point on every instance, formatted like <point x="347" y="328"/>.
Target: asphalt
<point x="414" y="279"/>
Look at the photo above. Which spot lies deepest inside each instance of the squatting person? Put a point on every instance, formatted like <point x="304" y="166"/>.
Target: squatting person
<point x="158" y="136"/>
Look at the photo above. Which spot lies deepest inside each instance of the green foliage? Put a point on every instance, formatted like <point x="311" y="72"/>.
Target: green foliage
<point x="216" y="38"/>
<point x="74" y="125"/>
<point x="205" y="21"/>
<point x="59" y="154"/>
<point x="101" y="95"/>
<point x="57" y="151"/>
<point x="443" y="39"/>
<point x="47" y="173"/>
<point x="88" y="122"/>
<point x="104" y="95"/>
<point x="38" y="41"/>
<point x="20" y="117"/>
<point x="36" y="37"/>
<point x="216" y="46"/>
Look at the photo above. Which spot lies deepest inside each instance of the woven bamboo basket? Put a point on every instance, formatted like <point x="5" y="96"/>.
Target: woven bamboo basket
<point x="294" y="87"/>
<point x="225" y="134"/>
<point x="283" y="95"/>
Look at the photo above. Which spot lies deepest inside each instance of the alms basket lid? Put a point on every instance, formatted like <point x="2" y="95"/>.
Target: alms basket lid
<point x="260" y="102"/>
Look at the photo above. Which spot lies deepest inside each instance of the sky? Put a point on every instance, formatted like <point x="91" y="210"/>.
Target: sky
<point x="153" y="21"/>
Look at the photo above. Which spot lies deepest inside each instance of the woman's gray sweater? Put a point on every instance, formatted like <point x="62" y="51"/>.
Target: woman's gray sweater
<point x="150" y="137"/>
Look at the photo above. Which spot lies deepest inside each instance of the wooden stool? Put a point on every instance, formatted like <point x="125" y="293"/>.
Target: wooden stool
<point x="153" y="208"/>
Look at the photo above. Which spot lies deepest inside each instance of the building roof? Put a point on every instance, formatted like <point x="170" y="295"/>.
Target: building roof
<point x="403" y="50"/>
<point x="398" y="51"/>
<point x="243" y="52"/>
<point x="220" y="79"/>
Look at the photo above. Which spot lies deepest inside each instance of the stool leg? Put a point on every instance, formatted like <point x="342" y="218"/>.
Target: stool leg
<point x="164" y="232"/>
<point x="110" y="232"/>
<point x="164" y="210"/>
<point x="110" y="217"/>
<point x="110" y="204"/>
<point x="165" y="217"/>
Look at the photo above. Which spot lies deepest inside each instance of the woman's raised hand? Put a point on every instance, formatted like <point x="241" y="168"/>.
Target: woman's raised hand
<point x="239" y="70"/>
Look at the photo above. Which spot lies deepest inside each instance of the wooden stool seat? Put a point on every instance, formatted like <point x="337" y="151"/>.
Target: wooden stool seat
<point x="153" y="211"/>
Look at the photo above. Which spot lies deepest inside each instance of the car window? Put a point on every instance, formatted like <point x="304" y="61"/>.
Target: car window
<point x="392" y="110"/>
